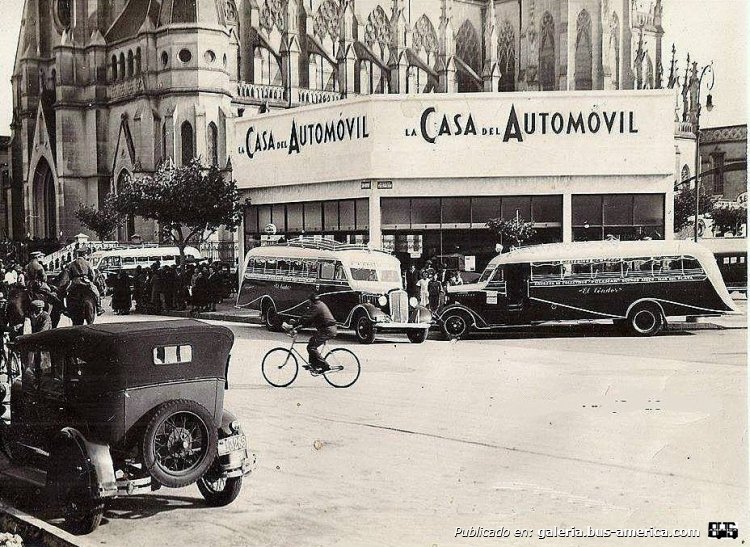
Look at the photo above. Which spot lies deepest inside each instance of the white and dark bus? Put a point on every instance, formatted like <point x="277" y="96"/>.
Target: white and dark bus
<point x="130" y="258"/>
<point x="635" y="283"/>
<point x="362" y="287"/>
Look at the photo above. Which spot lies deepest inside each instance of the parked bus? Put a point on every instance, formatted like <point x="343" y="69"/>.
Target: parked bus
<point x="635" y="283"/>
<point x="130" y="258"/>
<point x="731" y="257"/>
<point x="362" y="287"/>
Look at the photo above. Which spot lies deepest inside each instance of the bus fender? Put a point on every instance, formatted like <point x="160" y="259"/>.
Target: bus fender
<point x="101" y="469"/>
<point x="459" y="307"/>
<point x="645" y="301"/>
<point x="372" y="312"/>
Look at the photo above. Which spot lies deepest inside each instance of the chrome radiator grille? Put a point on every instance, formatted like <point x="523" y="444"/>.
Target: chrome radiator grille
<point x="399" y="306"/>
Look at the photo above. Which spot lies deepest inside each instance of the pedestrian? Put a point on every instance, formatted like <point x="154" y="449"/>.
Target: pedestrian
<point x="424" y="295"/>
<point x="434" y="290"/>
<point x="412" y="278"/>
<point x="40" y="319"/>
<point x="157" y="290"/>
<point x="121" y="294"/>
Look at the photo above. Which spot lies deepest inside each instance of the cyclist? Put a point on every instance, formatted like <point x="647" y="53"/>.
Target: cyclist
<point x="319" y="316"/>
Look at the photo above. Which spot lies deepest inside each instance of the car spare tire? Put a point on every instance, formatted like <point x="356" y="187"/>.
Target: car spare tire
<point x="179" y="444"/>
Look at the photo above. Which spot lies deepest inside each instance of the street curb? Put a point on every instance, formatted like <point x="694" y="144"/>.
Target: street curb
<point x="36" y="532"/>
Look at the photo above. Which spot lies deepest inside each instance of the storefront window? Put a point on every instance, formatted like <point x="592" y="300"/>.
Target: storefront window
<point x="346" y="215"/>
<point x="618" y="210"/>
<point x="264" y="216"/>
<point x="513" y="206"/>
<point x="331" y="215"/>
<point x="396" y="212"/>
<point x="456" y="210"/>
<point x="484" y="208"/>
<point x="587" y="210"/>
<point x="251" y="219"/>
<point x="546" y="208"/>
<point x="278" y="215"/>
<point x="648" y="209"/>
<point x="362" y="207"/>
<point x="313" y="217"/>
<point x="425" y="211"/>
<point x="294" y="218"/>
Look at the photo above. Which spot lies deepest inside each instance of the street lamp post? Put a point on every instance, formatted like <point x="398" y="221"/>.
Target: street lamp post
<point x="709" y="107"/>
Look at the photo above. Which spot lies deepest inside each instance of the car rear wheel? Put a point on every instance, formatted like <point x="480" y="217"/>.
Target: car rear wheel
<point x="179" y="444"/>
<point x="69" y="486"/>
<point x="365" y="330"/>
<point x="219" y="491"/>
<point x="417" y="336"/>
<point x="645" y="319"/>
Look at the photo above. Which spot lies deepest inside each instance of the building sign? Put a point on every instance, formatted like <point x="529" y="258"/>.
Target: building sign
<point x="390" y="137"/>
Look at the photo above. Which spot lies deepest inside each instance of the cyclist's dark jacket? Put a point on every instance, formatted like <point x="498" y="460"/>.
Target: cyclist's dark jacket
<point x="318" y="316"/>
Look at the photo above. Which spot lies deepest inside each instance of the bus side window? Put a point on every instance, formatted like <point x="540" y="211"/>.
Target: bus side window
<point x="271" y="267"/>
<point x="690" y="265"/>
<point x="311" y="269"/>
<point x="327" y="270"/>
<point x="581" y="269"/>
<point x="340" y="274"/>
<point x="667" y="265"/>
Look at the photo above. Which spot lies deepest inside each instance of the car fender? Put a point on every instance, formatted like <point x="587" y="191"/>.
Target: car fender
<point x="101" y="469"/>
<point x="421" y="315"/>
<point x="226" y="419"/>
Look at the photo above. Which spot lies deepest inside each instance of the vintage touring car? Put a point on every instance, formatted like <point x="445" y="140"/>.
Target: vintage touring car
<point x="96" y="412"/>
<point x="637" y="283"/>
<point x="363" y="288"/>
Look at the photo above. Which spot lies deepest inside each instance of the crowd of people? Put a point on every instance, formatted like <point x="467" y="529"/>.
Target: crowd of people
<point x="429" y="284"/>
<point x="197" y="287"/>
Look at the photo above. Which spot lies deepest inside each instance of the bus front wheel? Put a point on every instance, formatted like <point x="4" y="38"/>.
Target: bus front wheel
<point x="455" y="325"/>
<point x="645" y="320"/>
<point x="365" y="330"/>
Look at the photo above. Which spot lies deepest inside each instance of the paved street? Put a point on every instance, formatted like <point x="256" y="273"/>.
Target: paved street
<point x="571" y="427"/>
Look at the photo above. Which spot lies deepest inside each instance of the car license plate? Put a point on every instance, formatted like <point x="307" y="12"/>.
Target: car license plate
<point x="230" y="444"/>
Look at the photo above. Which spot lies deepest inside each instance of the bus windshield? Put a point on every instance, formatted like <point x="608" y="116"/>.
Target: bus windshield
<point x="370" y="274"/>
<point x="487" y="274"/>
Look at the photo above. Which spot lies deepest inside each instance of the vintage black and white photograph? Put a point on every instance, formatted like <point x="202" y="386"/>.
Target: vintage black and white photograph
<point x="408" y="273"/>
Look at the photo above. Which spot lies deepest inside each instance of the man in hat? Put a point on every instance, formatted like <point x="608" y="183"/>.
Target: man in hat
<point x="319" y="316"/>
<point x="40" y="319"/>
<point x="81" y="273"/>
<point x="35" y="274"/>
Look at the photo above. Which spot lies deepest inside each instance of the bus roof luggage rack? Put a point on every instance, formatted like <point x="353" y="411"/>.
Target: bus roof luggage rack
<point x="308" y="242"/>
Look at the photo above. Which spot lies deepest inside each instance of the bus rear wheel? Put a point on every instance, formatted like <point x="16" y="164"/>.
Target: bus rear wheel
<point x="417" y="336"/>
<point x="645" y="320"/>
<point x="271" y="319"/>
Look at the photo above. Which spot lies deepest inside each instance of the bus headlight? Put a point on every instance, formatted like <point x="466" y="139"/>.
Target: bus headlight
<point x="413" y="302"/>
<point x="382" y="301"/>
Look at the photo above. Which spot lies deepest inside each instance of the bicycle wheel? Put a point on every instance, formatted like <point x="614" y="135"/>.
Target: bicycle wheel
<point x="344" y="367"/>
<point x="279" y="367"/>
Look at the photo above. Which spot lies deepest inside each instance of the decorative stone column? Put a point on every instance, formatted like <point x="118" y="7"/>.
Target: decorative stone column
<point x="490" y="70"/>
<point x="346" y="57"/>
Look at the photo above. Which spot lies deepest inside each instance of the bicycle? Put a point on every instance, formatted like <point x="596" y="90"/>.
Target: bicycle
<point x="280" y="366"/>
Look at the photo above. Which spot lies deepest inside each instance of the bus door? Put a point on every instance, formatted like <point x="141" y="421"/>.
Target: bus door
<point x="517" y="285"/>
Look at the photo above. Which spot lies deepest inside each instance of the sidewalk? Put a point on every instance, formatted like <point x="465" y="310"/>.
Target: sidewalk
<point x="227" y="312"/>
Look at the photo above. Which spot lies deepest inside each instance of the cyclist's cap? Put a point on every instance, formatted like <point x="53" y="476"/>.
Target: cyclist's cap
<point x="314" y="296"/>
<point x="39" y="304"/>
<point x="37" y="254"/>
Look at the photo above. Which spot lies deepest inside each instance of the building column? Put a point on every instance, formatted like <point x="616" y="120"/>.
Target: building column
<point x="567" y="218"/>
<point x="376" y="233"/>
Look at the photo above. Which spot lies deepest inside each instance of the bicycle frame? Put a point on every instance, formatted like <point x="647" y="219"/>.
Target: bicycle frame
<point x="296" y="352"/>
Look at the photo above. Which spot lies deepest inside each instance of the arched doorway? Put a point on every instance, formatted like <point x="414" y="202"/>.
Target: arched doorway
<point x="127" y="231"/>
<point x="44" y="218"/>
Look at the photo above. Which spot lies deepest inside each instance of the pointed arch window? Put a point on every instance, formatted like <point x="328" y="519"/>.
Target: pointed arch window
<point x="138" y="61"/>
<point x="122" y="66"/>
<point x="506" y="56"/>
<point x="213" y="144"/>
<point x="685" y="172"/>
<point x="614" y="49"/>
<point x="187" y="139"/>
<point x="547" y="77"/>
<point x="469" y="50"/>
<point x="584" y="53"/>
<point x="114" y="68"/>
<point x="131" y="64"/>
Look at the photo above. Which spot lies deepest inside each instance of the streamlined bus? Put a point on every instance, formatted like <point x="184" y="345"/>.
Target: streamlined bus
<point x="635" y="283"/>
<point x="130" y="258"/>
<point x="362" y="287"/>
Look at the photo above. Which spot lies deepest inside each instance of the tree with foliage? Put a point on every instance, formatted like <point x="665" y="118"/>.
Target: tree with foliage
<point x="684" y="206"/>
<point x="728" y="219"/>
<point x="512" y="233"/>
<point x="103" y="221"/>
<point x="190" y="202"/>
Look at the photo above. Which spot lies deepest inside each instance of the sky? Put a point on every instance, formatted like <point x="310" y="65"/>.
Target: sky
<point x="708" y="29"/>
